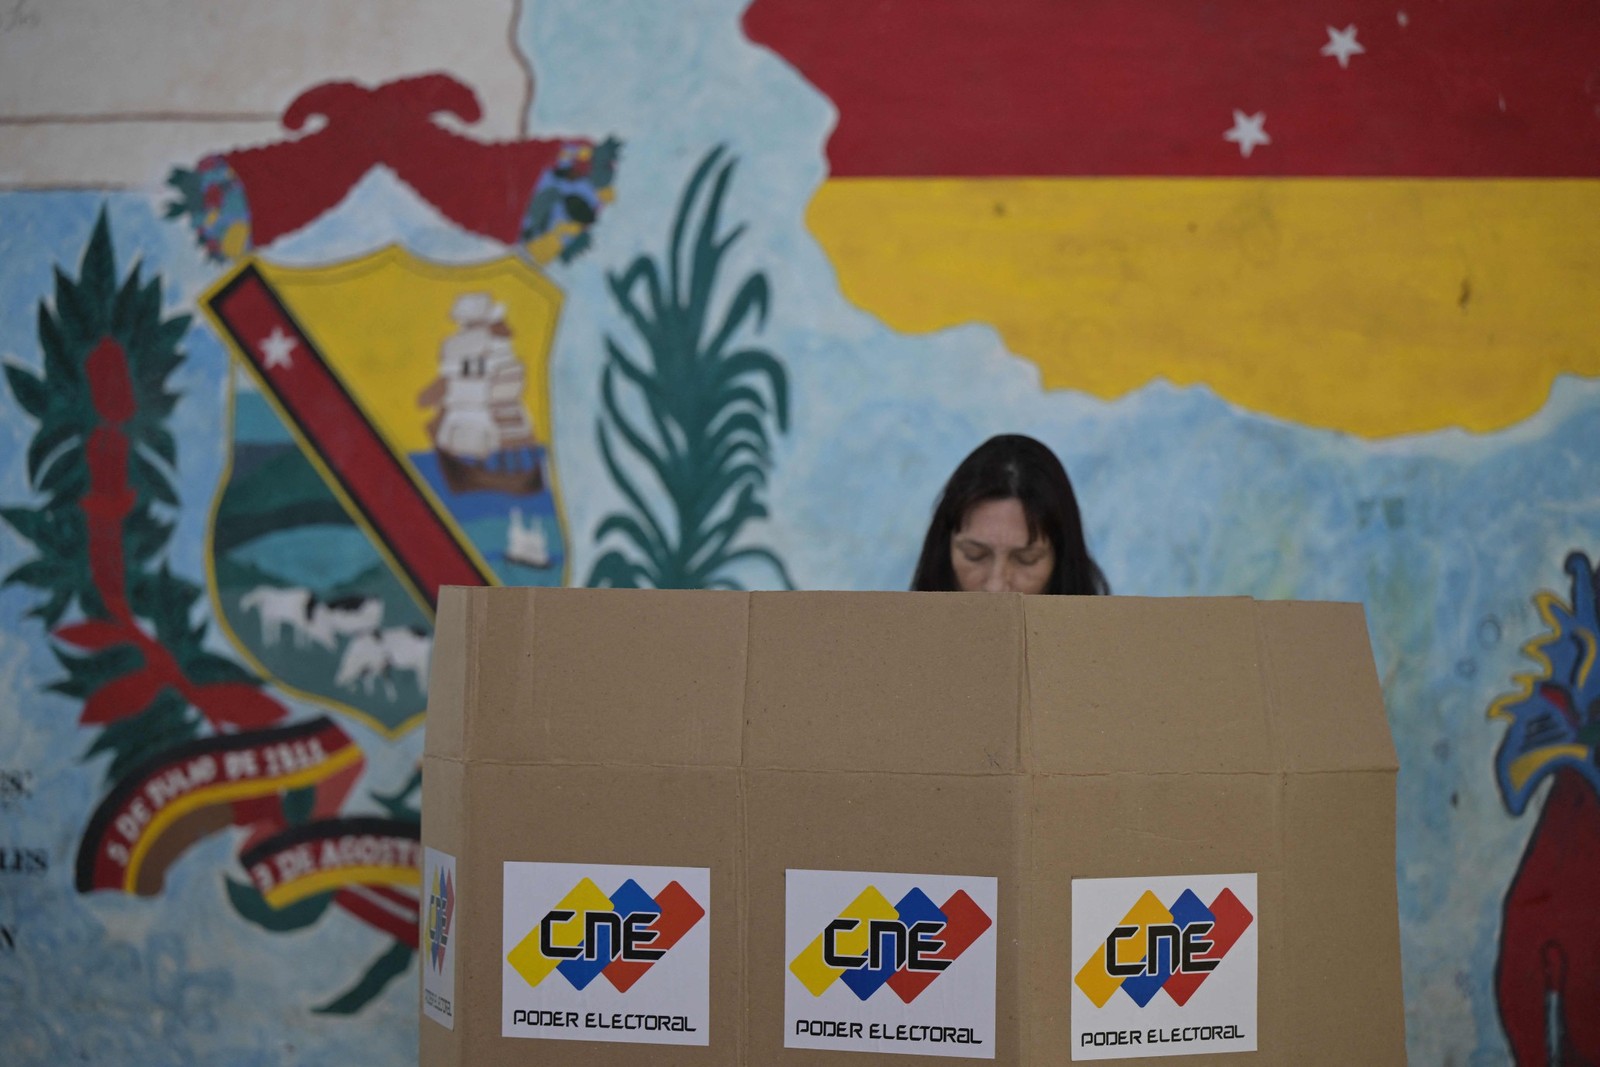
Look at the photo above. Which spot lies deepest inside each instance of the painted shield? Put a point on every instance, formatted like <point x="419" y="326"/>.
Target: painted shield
<point x="390" y="429"/>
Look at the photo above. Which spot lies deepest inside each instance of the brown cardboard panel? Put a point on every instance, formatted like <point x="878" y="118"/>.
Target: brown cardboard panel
<point x="1147" y="686"/>
<point x="898" y="824"/>
<point x="1127" y="826"/>
<point x="444" y="816"/>
<point x="454" y="662"/>
<point x="607" y="676"/>
<point x="1031" y="739"/>
<point x="924" y="682"/>
<point x="1345" y="1003"/>
<point x="438" y="1047"/>
<point x="679" y="817"/>
<point x="1319" y="668"/>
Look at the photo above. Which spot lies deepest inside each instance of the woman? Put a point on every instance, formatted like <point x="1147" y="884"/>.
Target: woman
<point x="1008" y="521"/>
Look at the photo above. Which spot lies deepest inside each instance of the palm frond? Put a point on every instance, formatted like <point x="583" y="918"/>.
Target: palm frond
<point x="698" y="421"/>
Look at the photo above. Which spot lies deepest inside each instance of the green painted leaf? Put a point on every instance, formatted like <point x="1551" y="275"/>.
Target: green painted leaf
<point x="736" y="422"/>
<point x="82" y="321"/>
<point x="762" y="554"/>
<point x="61" y="369"/>
<point x="680" y="221"/>
<point x="650" y="321"/>
<point x="173" y="331"/>
<point x="71" y="490"/>
<point x="167" y="723"/>
<point x="29" y="390"/>
<point x="661" y="464"/>
<point x="98" y="270"/>
<point x="51" y="436"/>
<point x="124" y="307"/>
<point x="168" y="602"/>
<point x="625" y="484"/>
<point x="253" y="907"/>
<point x="758" y="362"/>
<point x="615" y="571"/>
<point x="42" y="573"/>
<point x="51" y="610"/>
<point x="33" y="523"/>
<point x="391" y="965"/>
<point x="629" y="527"/>
<point x="396" y="803"/>
<point x="148" y="479"/>
<point x="144" y="535"/>
<point x="708" y="251"/>
<point x="708" y="441"/>
<point x="159" y="440"/>
<point x="60" y="464"/>
<point x="753" y="297"/>
<point x="298" y="804"/>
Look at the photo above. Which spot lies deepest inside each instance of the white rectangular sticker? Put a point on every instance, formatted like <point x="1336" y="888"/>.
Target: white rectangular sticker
<point x="890" y="963"/>
<point x="604" y="952"/>
<point x="1164" y="966"/>
<point x="438" y="938"/>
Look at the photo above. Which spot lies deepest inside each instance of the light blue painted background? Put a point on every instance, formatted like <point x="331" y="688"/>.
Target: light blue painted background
<point x="1444" y="538"/>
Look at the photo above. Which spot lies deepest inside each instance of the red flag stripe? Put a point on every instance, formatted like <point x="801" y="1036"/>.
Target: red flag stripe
<point x="1039" y="88"/>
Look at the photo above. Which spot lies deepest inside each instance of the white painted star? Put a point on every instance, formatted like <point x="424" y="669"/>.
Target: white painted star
<point x="276" y="348"/>
<point x="1248" y="131"/>
<point x="1342" y="44"/>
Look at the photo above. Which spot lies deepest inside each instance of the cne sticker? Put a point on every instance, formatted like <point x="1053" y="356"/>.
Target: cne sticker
<point x="1164" y="966"/>
<point x="607" y="952"/>
<point x="890" y="963"/>
<point x="438" y="938"/>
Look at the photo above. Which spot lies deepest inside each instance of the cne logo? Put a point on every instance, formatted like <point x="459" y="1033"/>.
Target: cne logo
<point x="441" y="915"/>
<point x="621" y="935"/>
<point x="1159" y="949"/>
<point x="905" y="945"/>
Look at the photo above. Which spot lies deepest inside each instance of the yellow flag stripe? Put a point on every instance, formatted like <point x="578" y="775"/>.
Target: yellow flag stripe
<point x="1375" y="306"/>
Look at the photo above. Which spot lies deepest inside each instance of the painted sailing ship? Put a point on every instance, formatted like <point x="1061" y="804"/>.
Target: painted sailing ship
<point x="481" y="431"/>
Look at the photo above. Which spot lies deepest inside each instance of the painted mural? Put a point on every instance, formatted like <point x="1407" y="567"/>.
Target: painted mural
<point x="1304" y="298"/>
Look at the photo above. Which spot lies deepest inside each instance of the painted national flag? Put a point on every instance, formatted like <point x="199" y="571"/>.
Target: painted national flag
<point x="1380" y="217"/>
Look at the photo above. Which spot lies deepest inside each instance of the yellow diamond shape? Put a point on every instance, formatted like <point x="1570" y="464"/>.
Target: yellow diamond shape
<point x="809" y="967"/>
<point x="535" y="966"/>
<point x="1097" y="983"/>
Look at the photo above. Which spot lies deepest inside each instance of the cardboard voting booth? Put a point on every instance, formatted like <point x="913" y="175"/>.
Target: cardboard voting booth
<point x="771" y="828"/>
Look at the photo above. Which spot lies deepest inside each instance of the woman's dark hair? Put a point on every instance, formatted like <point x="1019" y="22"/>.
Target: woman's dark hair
<point x="1002" y="468"/>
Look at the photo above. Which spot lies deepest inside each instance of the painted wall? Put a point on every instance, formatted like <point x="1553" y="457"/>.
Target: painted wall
<point x="307" y="309"/>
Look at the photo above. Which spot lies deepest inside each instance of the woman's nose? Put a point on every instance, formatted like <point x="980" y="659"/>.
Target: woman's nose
<point x="997" y="580"/>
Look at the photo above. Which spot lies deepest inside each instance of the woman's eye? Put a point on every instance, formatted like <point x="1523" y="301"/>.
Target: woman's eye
<point x="974" y="555"/>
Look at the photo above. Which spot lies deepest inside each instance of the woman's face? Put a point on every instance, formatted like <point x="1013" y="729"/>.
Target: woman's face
<point x="991" y="552"/>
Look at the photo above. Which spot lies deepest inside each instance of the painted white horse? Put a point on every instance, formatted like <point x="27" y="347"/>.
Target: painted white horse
<point x="371" y="658"/>
<point x="280" y="606"/>
<point x="345" y="617"/>
<point x="409" y="650"/>
<point x="364" y="663"/>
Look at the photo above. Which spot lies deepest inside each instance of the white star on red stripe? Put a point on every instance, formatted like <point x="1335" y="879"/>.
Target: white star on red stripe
<point x="1342" y="44"/>
<point x="1248" y="131"/>
<point x="275" y="349"/>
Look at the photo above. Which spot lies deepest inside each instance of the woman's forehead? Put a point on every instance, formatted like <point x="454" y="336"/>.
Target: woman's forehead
<point x="1001" y="523"/>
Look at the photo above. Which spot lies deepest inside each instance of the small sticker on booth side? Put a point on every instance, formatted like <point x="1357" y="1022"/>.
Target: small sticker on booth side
<point x="439" y="937"/>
